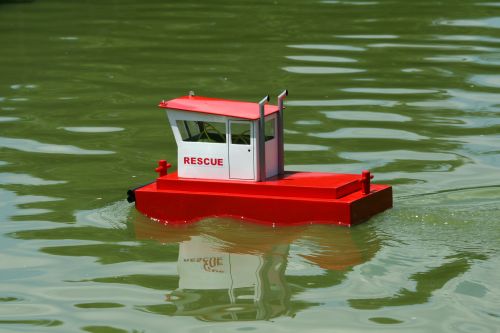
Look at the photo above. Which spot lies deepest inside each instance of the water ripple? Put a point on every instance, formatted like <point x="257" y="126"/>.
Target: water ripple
<point x="25" y="179"/>
<point x="6" y="119"/>
<point x="71" y="38"/>
<point x="486" y="59"/>
<point x="354" y="3"/>
<point x="321" y="58"/>
<point x="390" y="91"/>
<point x="463" y="100"/>
<point x="20" y="86"/>
<point x="478" y="121"/>
<point x="491" y="22"/>
<point x="89" y="129"/>
<point x="468" y="38"/>
<point x="33" y="146"/>
<point x="322" y="70"/>
<point x="304" y="147"/>
<point x="368" y="36"/>
<point x="482" y="143"/>
<point x="337" y="167"/>
<point x="486" y="80"/>
<point x="394" y="155"/>
<point x="110" y="216"/>
<point x="307" y="122"/>
<point x="369" y="133"/>
<point x="435" y="46"/>
<point x="488" y="4"/>
<point x="344" y="102"/>
<point x="327" y="47"/>
<point x="366" y="116"/>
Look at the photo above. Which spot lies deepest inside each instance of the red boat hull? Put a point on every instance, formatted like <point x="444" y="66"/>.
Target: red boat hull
<point x="295" y="198"/>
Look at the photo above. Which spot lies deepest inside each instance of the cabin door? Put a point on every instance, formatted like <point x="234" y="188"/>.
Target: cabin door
<point x="241" y="150"/>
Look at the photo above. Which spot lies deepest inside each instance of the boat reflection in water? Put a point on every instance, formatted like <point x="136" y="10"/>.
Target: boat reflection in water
<point x="231" y="271"/>
<point x="219" y="285"/>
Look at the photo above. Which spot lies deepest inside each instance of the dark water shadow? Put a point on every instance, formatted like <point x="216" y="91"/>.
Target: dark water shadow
<point x="10" y="2"/>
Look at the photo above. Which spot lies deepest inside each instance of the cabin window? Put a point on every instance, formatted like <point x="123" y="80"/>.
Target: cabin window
<point x="240" y="132"/>
<point x="269" y="129"/>
<point x="202" y="131"/>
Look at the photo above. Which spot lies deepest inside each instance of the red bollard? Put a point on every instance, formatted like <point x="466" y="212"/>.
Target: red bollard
<point x="162" y="168"/>
<point x="365" y="181"/>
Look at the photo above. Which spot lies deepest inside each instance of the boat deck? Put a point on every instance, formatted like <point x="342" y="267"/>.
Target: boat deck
<point x="291" y="184"/>
<point x="294" y="198"/>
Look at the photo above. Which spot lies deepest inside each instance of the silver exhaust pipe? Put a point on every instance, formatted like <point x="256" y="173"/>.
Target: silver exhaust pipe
<point x="262" y="140"/>
<point x="281" y="145"/>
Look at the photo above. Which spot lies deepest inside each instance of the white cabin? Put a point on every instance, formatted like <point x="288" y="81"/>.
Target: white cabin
<point x="224" y="139"/>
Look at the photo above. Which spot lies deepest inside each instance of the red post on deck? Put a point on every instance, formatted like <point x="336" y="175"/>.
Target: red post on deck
<point x="162" y="168"/>
<point x="365" y="181"/>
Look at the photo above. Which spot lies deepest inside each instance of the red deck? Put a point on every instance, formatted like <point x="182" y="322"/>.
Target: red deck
<point x="294" y="198"/>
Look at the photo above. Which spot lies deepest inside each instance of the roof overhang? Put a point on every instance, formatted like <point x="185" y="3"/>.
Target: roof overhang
<point x="220" y="107"/>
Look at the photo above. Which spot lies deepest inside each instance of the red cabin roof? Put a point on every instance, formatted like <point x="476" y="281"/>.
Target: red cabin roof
<point x="217" y="106"/>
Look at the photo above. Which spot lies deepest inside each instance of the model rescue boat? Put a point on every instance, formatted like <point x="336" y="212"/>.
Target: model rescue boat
<point x="231" y="164"/>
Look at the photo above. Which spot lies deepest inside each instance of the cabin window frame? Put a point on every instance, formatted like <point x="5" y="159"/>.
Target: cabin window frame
<point x="270" y="129"/>
<point x="202" y="131"/>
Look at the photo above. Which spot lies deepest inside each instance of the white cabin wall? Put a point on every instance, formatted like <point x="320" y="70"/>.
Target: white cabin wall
<point x="242" y="157"/>
<point x="199" y="149"/>
<point x="271" y="158"/>
<point x="255" y="143"/>
<point x="272" y="150"/>
<point x="205" y="150"/>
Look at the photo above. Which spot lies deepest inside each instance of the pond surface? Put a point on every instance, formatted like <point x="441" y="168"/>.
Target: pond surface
<point x="410" y="90"/>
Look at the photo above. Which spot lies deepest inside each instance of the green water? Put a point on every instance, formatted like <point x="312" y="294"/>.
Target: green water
<point x="410" y="90"/>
